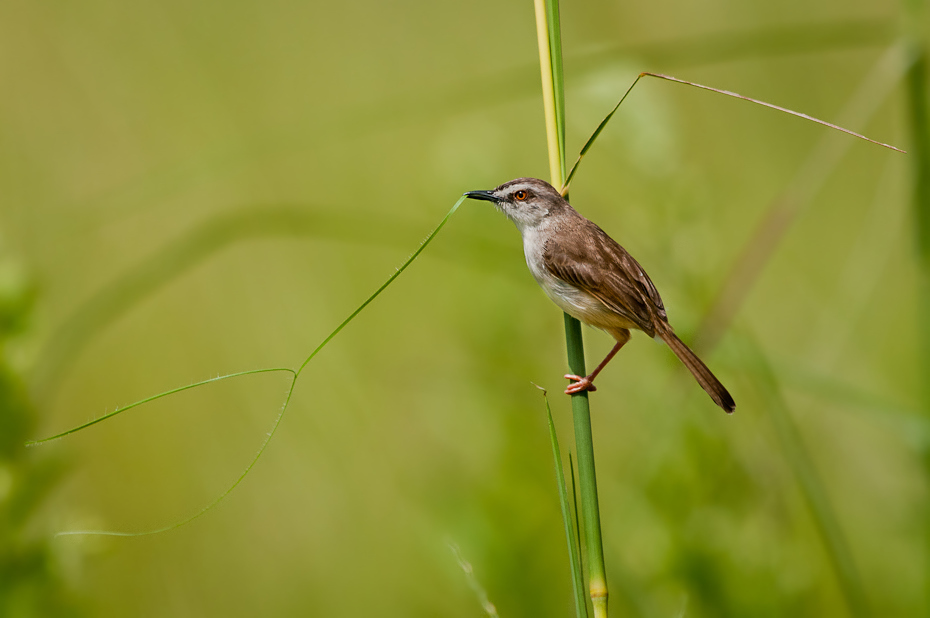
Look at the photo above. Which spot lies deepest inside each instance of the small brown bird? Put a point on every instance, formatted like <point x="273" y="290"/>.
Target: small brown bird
<point x="591" y="277"/>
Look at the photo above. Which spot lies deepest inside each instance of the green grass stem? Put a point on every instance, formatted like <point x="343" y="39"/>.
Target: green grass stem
<point x="553" y="86"/>
<point x="547" y="66"/>
<point x="587" y="478"/>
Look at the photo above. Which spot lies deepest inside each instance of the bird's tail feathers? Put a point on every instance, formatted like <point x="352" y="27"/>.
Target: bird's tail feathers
<point x="698" y="369"/>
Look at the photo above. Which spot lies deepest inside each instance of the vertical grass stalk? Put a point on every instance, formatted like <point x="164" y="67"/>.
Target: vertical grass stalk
<point x="550" y="63"/>
<point x="555" y="122"/>
<point x="587" y="480"/>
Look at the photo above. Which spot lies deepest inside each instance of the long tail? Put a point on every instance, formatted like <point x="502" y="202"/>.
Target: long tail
<point x="702" y="374"/>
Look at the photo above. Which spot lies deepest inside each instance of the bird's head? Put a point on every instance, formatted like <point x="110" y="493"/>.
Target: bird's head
<point x="526" y="201"/>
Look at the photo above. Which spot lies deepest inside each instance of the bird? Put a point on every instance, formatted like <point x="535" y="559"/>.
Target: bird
<point x="588" y="275"/>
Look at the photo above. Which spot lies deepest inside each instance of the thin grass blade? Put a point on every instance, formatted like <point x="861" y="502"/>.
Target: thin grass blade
<point x="277" y="422"/>
<point x="728" y="93"/>
<point x="384" y="286"/>
<point x="594" y="136"/>
<point x="775" y="107"/>
<point x="574" y="549"/>
<point x="217" y="500"/>
<point x="173" y="391"/>
<point x="571" y="473"/>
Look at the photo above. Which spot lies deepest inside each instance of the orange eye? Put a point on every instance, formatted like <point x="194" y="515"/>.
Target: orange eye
<point x="520" y="195"/>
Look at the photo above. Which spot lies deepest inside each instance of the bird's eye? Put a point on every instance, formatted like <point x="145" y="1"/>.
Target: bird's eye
<point x="520" y="195"/>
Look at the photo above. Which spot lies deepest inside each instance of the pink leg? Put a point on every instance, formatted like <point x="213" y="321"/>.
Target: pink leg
<point x="586" y="383"/>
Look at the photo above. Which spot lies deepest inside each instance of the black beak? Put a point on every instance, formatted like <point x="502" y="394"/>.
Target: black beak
<point x="487" y="196"/>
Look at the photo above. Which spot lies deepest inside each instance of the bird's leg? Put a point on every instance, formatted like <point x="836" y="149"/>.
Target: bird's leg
<point x="586" y="383"/>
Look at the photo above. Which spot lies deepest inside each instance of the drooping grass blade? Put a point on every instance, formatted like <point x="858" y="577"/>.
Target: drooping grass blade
<point x="603" y="123"/>
<point x="295" y="373"/>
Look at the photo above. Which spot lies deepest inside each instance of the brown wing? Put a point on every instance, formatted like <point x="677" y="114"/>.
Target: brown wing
<point x="585" y="256"/>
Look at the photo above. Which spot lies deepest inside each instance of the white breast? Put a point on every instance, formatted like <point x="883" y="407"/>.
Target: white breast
<point x="568" y="298"/>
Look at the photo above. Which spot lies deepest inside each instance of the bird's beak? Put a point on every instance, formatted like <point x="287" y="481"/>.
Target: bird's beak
<point x="487" y="196"/>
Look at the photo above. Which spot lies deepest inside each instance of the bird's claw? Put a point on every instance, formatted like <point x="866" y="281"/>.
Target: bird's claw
<point x="579" y="384"/>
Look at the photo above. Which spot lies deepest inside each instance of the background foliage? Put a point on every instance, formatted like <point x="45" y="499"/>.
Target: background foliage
<point x="204" y="188"/>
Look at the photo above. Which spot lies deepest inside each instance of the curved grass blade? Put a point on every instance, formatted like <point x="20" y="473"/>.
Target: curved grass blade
<point x="173" y="391"/>
<point x="217" y="500"/>
<point x="389" y="281"/>
<point x="597" y="132"/>
<point x="600" y="127"/>
<point x="574" y="549"/>
<point x="277" y="422"/>
<point x="775" y="107"/>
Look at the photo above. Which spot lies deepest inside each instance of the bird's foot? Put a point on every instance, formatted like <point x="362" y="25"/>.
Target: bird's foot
<point x="579" y="384"/>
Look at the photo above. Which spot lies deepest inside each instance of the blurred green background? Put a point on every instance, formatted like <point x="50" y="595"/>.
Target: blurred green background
<point x="192" y="189"/>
